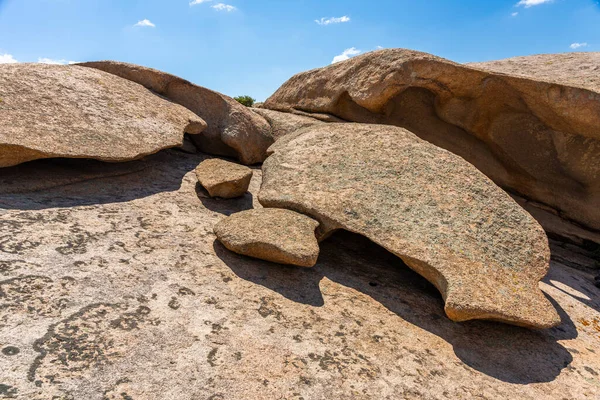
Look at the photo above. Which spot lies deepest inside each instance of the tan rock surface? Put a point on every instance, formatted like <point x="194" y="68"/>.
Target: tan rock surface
<point x="581" y="69"/>
<point x="280" y="236"/>
<point x="285" y="123"/>
<point x="49" y="111"/>
<point x="115" y="288"/>
<point x="535" y="138"/>
<point x="233" y="130"/>
<point x="223" y="178"/>
<point x="443" y="217"/>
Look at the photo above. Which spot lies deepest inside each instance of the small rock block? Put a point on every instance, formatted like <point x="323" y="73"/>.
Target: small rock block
<point x="271" y="234"/>
<point x="223" y="178"/>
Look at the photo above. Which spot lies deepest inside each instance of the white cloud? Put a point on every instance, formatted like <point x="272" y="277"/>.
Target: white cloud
<point x="196" y="2"/>
<point x="514" y="14"/>
<point x="224" y="7"/>
<point x="43" y="60"/>
<point x="7" y="59"/>
<point x="531" y="3"/>
<point x="575" y="46"/>
<point x="145" y="22"/>
<point x="346" y="54"/>
<point x="333" y="20"/>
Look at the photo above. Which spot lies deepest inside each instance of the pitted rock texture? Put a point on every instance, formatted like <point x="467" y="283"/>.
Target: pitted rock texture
<point x="535" y="138"/>
<point x="233" y="130"/>
<point x="283" y="124"/>
<point x="74" y="112"/>
<point x="443" y="217"/>
<point x="360" y="324"/>
<point x="223" y="178"/>
<point x="271" y="234"/>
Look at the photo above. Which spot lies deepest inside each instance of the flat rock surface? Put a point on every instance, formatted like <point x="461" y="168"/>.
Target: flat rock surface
<point x="437" y="212"/>
<point x="223" y="178"/>
<point x="534" y="137"/>
<point x="115" y="288"/>
<point x="580" y="69"/>
<point x="271" y="234"/>
<point x="68" y="111"/>
<point x="233" y="130"/>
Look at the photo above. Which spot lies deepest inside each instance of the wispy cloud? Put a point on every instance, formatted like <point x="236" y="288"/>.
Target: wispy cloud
<point x="576" y="46"/>
<point x="531" y="3"/>
<point x="224" y="7"/>
<point x="43" y="60"/>
<point x="346" y="54"/>
<point x="196" y="2"/>
<point x="514" y="14"/>
<point x="7" y="59"/>
<point x="145" y="22"/>
<point x="333" y="20"/>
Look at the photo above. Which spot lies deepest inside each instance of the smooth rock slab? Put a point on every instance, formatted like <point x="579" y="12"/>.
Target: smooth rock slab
<point x="233" y="130"/>
<point x="443" y="217"/>
<point x="577" y="68"/>
<point x="276" y="235"/>
<point x="223" y="178"/>
<point x="49" y="111"/>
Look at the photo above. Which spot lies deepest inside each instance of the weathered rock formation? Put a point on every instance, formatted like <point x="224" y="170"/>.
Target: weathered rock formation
<point x="534" y="138"/>
<point x="581" y="69"/>
<point x="233" y="130"/>
<point x="285" y="123"/>
<point x="271" y="234"/>
<point x="115" y="288"/>
<point x="51" y="111"/>
<point x="113" y="285"/>
<point x="223" y="178"/>
<point x="443" y="217"/>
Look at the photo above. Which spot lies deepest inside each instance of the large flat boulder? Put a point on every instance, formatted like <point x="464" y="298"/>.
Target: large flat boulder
<point x="233" y="130"/>
<point x="49" y="111"/>
<point x="442" y="216"/>
<point x="533" y="137"/>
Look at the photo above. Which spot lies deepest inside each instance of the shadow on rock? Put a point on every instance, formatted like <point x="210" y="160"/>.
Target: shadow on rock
<point x="78" y="182"/>
<point x="508" y="353"/>
<point x="575" y="276"/>
<point x="224" y="206"/>
<point x="297" y="284"/>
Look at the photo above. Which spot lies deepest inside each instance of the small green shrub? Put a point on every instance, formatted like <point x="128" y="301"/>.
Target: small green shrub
<point x="245" y="100"/>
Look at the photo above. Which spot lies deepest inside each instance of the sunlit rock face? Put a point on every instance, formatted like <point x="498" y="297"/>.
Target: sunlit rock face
<point x="535" y="136"/>
<point x="115" y="287"/>
<point x="437" y="212"/>
<point x="233" y="130"/>
<point x="49" y="111"/>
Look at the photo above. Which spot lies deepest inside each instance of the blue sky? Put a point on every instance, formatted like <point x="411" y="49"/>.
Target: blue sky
<point x="253" y="46"/>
